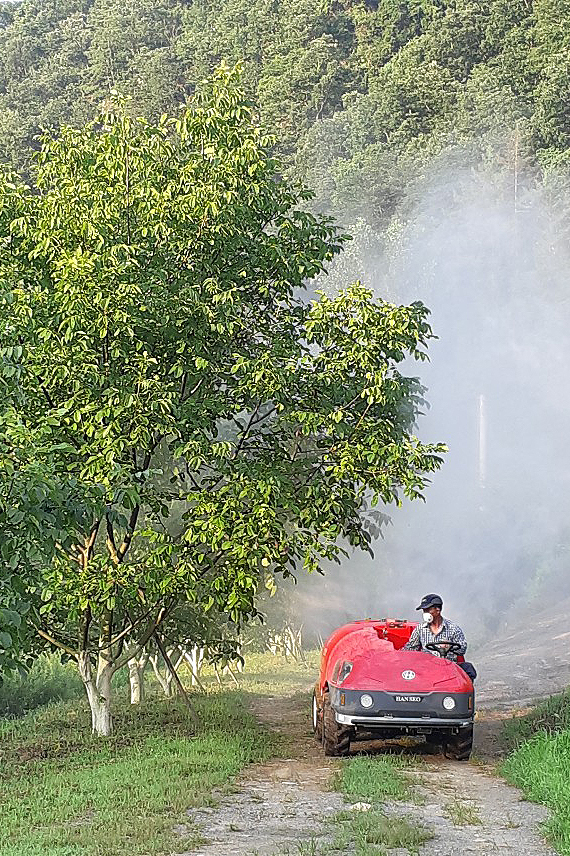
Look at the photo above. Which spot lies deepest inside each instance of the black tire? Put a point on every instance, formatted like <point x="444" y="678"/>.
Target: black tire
<point x="316" y="718"/>
<point x="336" y="737"/>
<point x="459" y="746"/>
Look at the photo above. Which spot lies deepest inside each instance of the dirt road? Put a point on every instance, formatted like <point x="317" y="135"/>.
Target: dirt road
<point x="283" y="807"/>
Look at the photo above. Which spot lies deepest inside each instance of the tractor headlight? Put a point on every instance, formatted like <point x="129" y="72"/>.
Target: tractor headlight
<point x="366" y="700"/>
<point x="345" y="671"/>
<point x="449" y="703"/>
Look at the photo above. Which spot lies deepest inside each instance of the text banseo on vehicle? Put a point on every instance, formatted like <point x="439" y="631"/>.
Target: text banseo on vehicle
<point x="369" y="688"/>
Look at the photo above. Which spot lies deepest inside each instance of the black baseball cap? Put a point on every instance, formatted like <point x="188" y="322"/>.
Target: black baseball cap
<point x="430" y="600"/>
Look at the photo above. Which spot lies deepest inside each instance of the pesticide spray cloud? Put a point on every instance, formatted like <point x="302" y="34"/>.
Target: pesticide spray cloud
<point x="494" y="530"/>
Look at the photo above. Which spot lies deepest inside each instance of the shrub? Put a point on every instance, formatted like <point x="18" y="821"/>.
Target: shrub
<point x="48" y="680"/>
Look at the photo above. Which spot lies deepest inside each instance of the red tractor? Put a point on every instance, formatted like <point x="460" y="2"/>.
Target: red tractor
<point x="369" y="688"/>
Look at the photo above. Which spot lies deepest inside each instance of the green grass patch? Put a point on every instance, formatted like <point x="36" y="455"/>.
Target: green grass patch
<point x="540" y="768"/>
<point x="309" y="847"/>
<point x="462" y="813"/>
<point x="374" y="779"/>
<point x="267" y="674"/>
<point x="552" y="715"/>
<point x="364" y="833"/>
<point x="48" y="680"/>
<point x="540" y="744"/>
<point x="65" y="793"/>
<point x="371" y="833"/>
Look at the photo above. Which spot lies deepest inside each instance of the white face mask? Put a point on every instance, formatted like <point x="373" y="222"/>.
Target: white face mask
<point x="428" y="618"/>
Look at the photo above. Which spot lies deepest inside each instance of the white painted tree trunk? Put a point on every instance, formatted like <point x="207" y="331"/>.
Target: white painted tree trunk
<point x="195" y="658"/>
<point x="98" y="690"/>
<point x="136" y="681"/>
<point x="165" y="680"/>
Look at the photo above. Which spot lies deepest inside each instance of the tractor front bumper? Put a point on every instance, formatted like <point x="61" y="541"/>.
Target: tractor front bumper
<point x="399" y="721"/>
<point x="381" y="709"/>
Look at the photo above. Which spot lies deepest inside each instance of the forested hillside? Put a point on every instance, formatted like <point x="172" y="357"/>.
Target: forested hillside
<point x="360" y="95"/>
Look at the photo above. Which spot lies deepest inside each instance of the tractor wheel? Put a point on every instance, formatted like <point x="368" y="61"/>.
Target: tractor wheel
<point x="459" y="746"/>
<point x="336" y="737"/>
<point x="316" y="719"/>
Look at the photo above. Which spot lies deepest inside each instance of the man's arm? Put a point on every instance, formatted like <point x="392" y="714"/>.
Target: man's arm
<point x="414" y="643"/>
<point x="457" y="636"/>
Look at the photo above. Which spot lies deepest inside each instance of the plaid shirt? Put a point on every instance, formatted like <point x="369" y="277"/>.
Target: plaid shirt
<point x="448" y="631"/>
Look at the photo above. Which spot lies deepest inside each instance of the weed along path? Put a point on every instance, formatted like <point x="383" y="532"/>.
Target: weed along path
<point x="372" y="804"/>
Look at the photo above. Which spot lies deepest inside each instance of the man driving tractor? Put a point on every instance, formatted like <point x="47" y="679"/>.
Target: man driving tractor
<point x="444" y="638"/>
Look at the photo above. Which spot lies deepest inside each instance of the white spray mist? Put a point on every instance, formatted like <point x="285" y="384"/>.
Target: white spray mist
<point x="497" y="516"/>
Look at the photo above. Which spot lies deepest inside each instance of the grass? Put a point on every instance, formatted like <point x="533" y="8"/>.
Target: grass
<point x="271" y="675"/>
<point x="372" y="832"/>
<point x="462" y="813"/>
<point x="364" y="833"/>
<point x="65" y="793"/>
<point x="373" y="781"/>
<point x="540" y="768"/>
<point x="376" y="779"/>
<point x="310" y="847"/>
<point x="369" y="831"/>
<point x="48" y="680"/>
<point x="552" y="715"/>
<point x="539" y="763"/>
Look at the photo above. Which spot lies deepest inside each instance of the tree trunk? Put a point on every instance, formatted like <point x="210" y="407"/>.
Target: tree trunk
<point x="98" y="690"/>
<point x="195" y="658"/>
<point x="165" y="681"/>
<point x="174" y="674"/>
<point x="136" y="681"/>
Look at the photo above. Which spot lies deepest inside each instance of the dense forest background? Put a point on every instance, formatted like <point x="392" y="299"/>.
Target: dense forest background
<point x="438" y="132"/>
<point x="360" y="95"/>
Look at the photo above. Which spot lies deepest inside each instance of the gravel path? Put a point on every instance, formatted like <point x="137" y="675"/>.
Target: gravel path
<point x="281" y="808"/>
<point x="470" y="811"/>
<point x="279" y="805"/>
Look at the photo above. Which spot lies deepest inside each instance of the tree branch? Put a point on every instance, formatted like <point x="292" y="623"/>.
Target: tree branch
<point x="177" y="680"/>
<point x="57" y="644"/>
<point x="129" y="532"/>
<point x="125" y="632"/>
<point x="149" y="632"/>
<point x="111" y="545"/>
<point x="86" y="626"/>
<point x="90" y="542"/>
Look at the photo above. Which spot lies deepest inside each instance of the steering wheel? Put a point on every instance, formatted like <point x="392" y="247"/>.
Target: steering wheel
<point x="443" y="647"/>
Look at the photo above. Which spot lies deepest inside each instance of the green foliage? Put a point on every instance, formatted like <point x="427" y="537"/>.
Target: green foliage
<point x="38" y="510"/>
<point x="48" y="680"/>
<point x="362" y="93"/>
<point x="298" y="60"/>
<point x="463" y="81"/>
